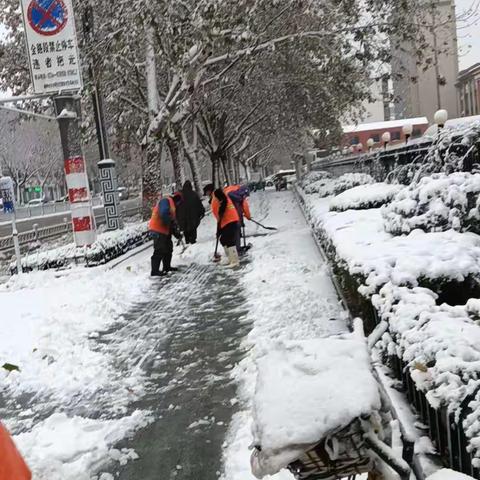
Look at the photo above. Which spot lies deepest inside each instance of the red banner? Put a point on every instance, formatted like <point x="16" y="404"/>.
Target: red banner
<point x="74" y="165"/>
<point x="76" y="195"/>
<point x="82" y="224"/>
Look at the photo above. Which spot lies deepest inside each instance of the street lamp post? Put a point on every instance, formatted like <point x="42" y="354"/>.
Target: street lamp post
<point x="386" y="137"/>
<point x="407" y="131"/>
<point x="440" y="118"/>
<point x="370" y="143"/>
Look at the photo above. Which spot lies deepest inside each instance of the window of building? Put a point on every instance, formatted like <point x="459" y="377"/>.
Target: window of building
<point x="376" y="138"/>
<point x="396" y="135"/>
<point x="355" y="140"/>
<point x="416" y="133"/>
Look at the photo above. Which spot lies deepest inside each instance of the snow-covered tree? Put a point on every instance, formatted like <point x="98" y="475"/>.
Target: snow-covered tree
<point x="161" y="64"/>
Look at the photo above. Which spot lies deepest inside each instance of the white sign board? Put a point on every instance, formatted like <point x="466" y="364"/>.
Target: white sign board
<point x="7" y="194"/>
<point x="52" y="45"/>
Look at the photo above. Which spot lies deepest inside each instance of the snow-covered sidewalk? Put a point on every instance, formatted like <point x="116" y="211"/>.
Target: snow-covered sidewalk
<point x="290" y="298"/>
<point x="113" y="364"/>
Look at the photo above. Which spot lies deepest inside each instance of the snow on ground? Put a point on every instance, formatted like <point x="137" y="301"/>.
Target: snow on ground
<point x="291" y="298"/>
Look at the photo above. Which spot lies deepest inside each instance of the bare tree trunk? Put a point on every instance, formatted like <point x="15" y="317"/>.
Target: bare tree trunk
<point x="231" y="170"/>
<point x="177" y="160"/>
<point x="224" y="162"/>
<point x="192" y="156"/>
<point x="151" y="177"/>
<point x="152" y="154"/>
<point x="215" y="169"/>
<point x="197" y="179"/>
<point x="236" y="166"/>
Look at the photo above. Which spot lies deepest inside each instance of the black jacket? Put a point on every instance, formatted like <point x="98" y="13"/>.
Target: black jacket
<point x="191" y="210"/>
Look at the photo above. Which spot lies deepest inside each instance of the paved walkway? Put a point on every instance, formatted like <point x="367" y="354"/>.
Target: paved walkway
<point x="193" y="329"/>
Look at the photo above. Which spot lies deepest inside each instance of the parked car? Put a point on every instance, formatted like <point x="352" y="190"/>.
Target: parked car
<point x="36" y="202"/>
<point x="123" y="193"/>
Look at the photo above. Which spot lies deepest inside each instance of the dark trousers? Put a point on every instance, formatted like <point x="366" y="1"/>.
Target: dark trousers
<point x="162" y="252"/>
<point x="229" y="234"/>
<point x="191" y="236"/>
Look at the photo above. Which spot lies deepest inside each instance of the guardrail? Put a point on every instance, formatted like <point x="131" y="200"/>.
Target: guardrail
<point x="45" y="209"/>
<point x="45" y="233"/>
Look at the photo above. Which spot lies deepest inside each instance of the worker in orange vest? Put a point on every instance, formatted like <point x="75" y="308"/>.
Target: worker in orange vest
<point x="162" y="226"/>
<point x="12" y="465"/>
<point x="228" y="223"/>
<point x="239" y="195"/>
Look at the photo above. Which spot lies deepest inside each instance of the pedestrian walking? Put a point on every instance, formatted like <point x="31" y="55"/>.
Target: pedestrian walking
<point x="162" y="226"/>
<point x="12" y="465"/>
<point x="228" y="223"/>
<point x="190" y="213"/>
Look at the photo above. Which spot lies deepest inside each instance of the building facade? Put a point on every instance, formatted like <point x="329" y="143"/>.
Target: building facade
<point x="422" y="87"/>
<point x="468" y="88"/>
<point x="358" y="135"/>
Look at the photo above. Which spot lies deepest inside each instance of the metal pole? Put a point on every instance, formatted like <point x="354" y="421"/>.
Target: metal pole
<point x="16" y="244"/>
<point x="97" y="99"/>
<point x="106" y="166"/>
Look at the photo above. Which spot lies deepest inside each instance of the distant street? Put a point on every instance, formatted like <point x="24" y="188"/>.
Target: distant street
<point x="51" y="219"/>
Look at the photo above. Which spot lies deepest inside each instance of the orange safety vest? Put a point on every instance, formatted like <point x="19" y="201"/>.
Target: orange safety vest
<point x="156" y="223"/>
<point x="12" y="465"/>
<point x="245" y="204"/>
<point x="230" y="215"/>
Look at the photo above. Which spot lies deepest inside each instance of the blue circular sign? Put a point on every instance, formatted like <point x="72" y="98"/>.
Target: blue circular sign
<point x="47" y="17"/>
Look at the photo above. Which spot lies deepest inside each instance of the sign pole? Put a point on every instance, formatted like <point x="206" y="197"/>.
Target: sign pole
<point x="8" y="196"/>
<point x="106" y="166"/>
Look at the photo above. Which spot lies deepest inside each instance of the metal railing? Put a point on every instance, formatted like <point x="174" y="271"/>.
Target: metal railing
<point x="45" y="233"/>
<point x="44" y="209"/>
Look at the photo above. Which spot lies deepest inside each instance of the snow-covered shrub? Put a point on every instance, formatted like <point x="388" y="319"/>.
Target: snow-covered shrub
<point x="439" y="343"/>
<point x="314" y="176"/>
<point x="437" y="203"/>
<point x="108" y="246"/>
<point x="333" y="186"/>
<point x="364" y="197"/>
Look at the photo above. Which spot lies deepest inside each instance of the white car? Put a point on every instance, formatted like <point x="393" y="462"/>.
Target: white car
<point x="36" y="202"/>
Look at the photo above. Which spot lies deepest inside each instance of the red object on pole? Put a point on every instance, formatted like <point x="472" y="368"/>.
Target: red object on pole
<point x="12" y="465"/>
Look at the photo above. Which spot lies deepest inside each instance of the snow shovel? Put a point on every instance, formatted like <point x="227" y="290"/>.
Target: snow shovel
<point x="263" y="226"/>
<point x="216" y="256"/>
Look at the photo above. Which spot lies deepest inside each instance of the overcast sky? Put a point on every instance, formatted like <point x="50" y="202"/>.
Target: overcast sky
<point x="469" y="34"/>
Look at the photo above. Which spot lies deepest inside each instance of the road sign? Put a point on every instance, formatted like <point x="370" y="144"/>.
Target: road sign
<point x="7" y="194"/>
<point x="52" y="45"/>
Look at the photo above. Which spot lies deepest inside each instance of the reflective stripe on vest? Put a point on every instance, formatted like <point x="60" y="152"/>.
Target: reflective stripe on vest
<point x="156" y="223"/>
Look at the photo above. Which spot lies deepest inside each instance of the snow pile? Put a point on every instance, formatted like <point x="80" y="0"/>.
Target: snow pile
<point x="437" y="203"/>
<point x="364" y="197"/>
<point x="54" y="320"/>
<point x="108" y="246"/>
<point x="63" y="448"/>
<point x="305" y="390"/>
<point x="333" y="186"/>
